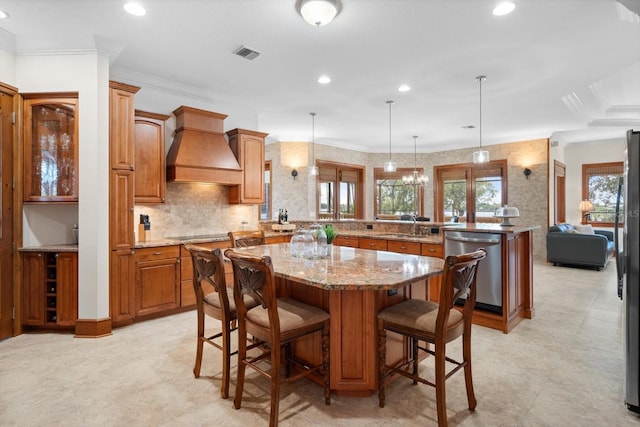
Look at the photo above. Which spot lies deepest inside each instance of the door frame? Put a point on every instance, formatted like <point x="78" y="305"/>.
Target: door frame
<point x="11" y="212"/>
<point x="559" y="192"/>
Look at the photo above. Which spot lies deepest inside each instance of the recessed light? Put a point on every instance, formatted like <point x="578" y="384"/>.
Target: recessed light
<point x="504" y="8"/>
<point x="404" y="88"/>
<point x="134" y="8"/>
<point x="324" y="80"/>
<point x="3" y="14"/>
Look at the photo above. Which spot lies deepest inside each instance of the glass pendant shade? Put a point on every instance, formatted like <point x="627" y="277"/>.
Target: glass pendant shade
<point x="389" y="166"/>
<point x="318" y="12"/>
<point x="313" y="169"/>
<point x="480" y="156"/>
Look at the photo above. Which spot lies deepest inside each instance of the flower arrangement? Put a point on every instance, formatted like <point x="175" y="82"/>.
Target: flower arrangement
<point x="330" y="232"/>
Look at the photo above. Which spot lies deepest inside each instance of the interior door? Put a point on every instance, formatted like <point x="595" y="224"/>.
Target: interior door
<point x="6" y="221"/>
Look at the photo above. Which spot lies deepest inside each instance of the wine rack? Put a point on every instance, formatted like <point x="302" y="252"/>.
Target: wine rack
<point x="51" y="286"/>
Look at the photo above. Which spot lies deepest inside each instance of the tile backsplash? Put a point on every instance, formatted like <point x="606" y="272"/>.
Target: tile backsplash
<point x="195" y="209"/>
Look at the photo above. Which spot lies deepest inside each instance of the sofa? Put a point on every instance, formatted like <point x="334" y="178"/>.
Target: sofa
<point x="579" y="245"/>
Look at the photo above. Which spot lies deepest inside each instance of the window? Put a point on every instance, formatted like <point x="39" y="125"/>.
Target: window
<point x="600" y="186"/>
<point x="340" y="191"/>
<point x="470" y="193"/>
<point x="265" y="208"/>
<point x="393" y="198"/>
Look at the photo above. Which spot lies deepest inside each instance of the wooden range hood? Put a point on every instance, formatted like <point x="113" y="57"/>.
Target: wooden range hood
<point x="200" y="151"/>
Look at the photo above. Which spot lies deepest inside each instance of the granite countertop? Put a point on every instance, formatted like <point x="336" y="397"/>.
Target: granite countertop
<point x="350" y="268"/>
<point x="489" y="228"/>
<point x="51" y="248"/>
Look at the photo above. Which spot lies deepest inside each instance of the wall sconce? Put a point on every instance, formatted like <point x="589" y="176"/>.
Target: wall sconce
<point x="294" y="174"/>
<point x="527" y="172"/>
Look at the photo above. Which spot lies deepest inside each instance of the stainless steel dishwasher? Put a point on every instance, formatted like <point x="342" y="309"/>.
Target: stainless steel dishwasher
<point x="489" y="280"/>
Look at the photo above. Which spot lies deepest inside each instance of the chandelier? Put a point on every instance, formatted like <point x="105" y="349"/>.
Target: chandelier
<point x="415" y="178"/>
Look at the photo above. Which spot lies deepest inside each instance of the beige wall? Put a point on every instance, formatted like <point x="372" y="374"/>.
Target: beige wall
<point x="530" y="196"/>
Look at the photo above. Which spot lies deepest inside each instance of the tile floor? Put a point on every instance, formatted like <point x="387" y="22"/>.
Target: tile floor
<point x="563" y="368"/>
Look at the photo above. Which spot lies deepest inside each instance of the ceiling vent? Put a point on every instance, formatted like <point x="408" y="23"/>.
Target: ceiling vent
<point x="247" y="53"/>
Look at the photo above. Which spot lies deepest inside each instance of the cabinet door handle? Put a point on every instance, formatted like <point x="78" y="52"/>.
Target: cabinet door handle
<point x="131" y="167"/>
<point x="157" y="253"/>
<point x="56" y="255"/>
<point x="431" y="250"/>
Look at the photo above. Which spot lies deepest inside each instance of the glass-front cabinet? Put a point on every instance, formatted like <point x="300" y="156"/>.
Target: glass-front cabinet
<point x="51" y="148"/>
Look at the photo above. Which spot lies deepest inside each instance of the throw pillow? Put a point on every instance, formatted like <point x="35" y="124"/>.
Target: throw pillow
<point x="585" y="229"/>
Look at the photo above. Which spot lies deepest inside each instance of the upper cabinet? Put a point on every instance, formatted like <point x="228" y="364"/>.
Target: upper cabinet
<point x="51" y="147"/>
<point x="149" y="155"/>
<point x="121" y="114"/>
<point x="248" y="147"/>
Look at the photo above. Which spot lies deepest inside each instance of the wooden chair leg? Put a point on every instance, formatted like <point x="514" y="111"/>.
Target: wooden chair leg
<point x="382" y="360"/>
<point x="441" y="396"/>
<point x="468" y="379"/>
<point x="414" y="352"/>
<point x="242" y="356"/>
<point x="226" y="360"/>
<point x="326" y="366"/>
<point x="196" y="367"/>
<point x="275" y="385"/>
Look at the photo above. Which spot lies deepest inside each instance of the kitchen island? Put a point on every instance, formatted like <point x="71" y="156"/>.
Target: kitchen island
<point x="353" y="285"/>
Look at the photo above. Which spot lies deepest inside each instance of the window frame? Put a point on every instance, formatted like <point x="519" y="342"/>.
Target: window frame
<point x="335" y="171"/>
<point x="471" y="171"/>
<point x="379" y="173"/>
<point x="589" y="170"/>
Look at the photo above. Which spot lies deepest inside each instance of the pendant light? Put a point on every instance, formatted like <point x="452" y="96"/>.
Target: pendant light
<point x="480" y="156"/>
<point x="415" y="178"/>
<point x="313" y="170"/>
<point x="389" y="166"/>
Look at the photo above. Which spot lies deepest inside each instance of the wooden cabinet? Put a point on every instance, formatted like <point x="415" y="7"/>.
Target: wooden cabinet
<point x="121" y="202"/>
<point x="248" y="147"/>
<point x="350" y="241"/>
<point x="121" y="233"/>
<point x="375" y="244"/>
<point x="121" y="124"/>
<point x="149" y="157"/>
<point x="121" y="289"/>
<point x="286" y="238"/>
<point x="432" y="249"/>
<point x="187" y="295"/>
<point x="49" y="288"/>
<point x="51" y="148"/>
<point x="157" y="279"/>
<point x="403" y="247"/>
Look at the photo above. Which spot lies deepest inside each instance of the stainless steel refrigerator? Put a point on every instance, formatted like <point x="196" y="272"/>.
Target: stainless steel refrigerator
<point x="628" y="265"/>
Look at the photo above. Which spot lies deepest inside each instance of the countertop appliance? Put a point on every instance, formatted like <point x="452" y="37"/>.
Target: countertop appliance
<point x="628" y="265"/>
<point x="489" y="280"/>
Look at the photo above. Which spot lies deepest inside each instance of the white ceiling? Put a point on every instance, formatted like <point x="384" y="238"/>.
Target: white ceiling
<point x="563" y="68"/>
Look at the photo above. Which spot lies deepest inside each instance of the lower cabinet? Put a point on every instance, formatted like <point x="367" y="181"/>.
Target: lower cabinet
<point x="49" y="288"/>
<point x="121" y="289"/>
<point x="157" y="279"/>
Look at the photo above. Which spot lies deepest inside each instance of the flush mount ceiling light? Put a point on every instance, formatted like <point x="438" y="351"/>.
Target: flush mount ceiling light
<point x="480" y="156"/>
<point x="389" y="166"/>
<point x="404" y="88"/>
<point x="504" y="8"/>
<point x="324" y="80"/>
<point x="415" y="178"/>
<point x="313" y="170"/>
<point x="134" y="8"/>
<point x="318" y="12"/>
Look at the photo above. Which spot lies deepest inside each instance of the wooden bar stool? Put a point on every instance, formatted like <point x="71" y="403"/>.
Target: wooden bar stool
<point x="436" y="324"/>
<point x="208" y="272"/>
<point x="240" y="239"/>
<point x="276" y="323"/>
